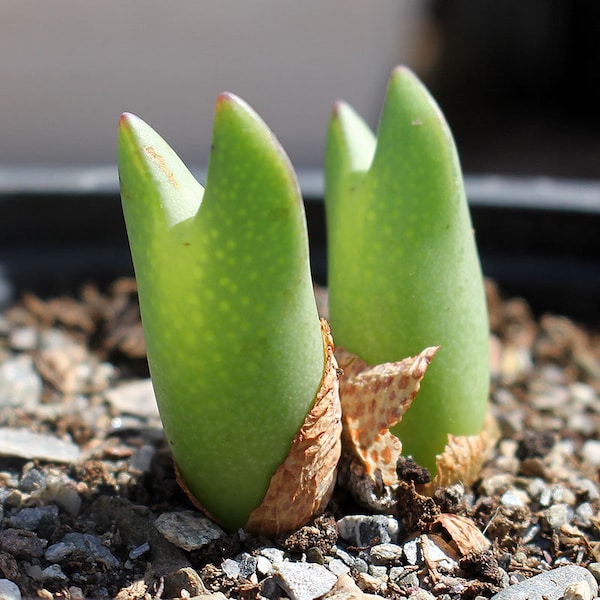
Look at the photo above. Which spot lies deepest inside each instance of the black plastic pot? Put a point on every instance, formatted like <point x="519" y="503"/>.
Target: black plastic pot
<point x="538" y="237"/>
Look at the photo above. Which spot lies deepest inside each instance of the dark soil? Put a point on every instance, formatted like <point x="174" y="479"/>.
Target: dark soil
<point x="537" y="502"/>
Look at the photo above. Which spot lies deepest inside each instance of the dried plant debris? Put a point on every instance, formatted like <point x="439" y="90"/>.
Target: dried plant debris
<point x="373" y="400"/>
<point x="105" y="521"/>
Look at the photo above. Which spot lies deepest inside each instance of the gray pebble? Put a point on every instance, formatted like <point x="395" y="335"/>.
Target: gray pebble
<point x="9" y="590"/>
<point x="33" y="480"/>
<point x="86" y="543"/>
<point x="378" y="572"/>
<point x="594" y="569"/>
<point x="60" y="489"/>
<point x="550" y="585"/>
<point x="344" y="556"/>
<point x="514" y="498"/>
<point x="404" y="578"/>
<point x="303" y="581"/>
<point x="584" y="514"/>
<point x="23" y="443"/>
<point x="558" y="515"/>
<point x="141" y="461"/>
<point x="338" y="567"/>
<point x="590" y="452"/>
<point x="364" y="530"/>
<point x="530" y="533"/>
<point x="360" y="566"/>
<point x="385" y="554"/>
<point x="59" y="551"/>
<point x="53" y="573"/>
<point x="231" y="568"/>
<point x="275" y="555"/>
<point x="138" y="551"/>
<point x="587" y="487"/>
<point x="188" y="529"/>
<point x="135" y="398"/>
<point x="30" y="518"/>
<point x="247" y="564"/>
<point x="20" y="385"/>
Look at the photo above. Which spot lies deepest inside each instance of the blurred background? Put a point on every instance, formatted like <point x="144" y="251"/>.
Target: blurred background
<point x="518" y="82"/>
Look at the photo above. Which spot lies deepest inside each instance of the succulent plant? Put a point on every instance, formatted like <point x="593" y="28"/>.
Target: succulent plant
<point x="241" y="366"/>
<point x="404" y="272"/>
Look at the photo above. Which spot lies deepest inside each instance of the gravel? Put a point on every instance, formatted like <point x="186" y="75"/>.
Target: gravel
<point x="90" y="508"/>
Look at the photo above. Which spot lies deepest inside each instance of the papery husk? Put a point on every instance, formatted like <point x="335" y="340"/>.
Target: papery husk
<point x="373" y="400"/>
<point x="463" y="532"/>
<point x="463" y="457"/>
<point x="302" y="485"/>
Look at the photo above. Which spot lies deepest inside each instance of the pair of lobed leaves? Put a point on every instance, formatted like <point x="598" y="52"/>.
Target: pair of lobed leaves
<point x="244" y="371"/>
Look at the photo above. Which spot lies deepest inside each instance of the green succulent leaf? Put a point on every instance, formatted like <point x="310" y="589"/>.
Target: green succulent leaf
<point x="231" y="326"/>
<point x="404" y="271"/>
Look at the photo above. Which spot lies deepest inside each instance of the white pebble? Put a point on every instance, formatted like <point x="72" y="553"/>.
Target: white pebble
<point x="590" y="452"/>
<point x="9" y="590"/>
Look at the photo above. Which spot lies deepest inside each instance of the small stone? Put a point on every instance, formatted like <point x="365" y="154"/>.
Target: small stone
<point x="23" y="443"/>
<point x="530" y="533"/>
<point x="86" y="543"/>
<point x="590" y="452"/>
<point x="549" y="585"/>
<point x="23" y="339"/>
<point x="20" y="385"/>
<point x="368" y="583"/>
<point x="60" y="489"/>
<point x="360" y="565"/>
<point x="378" y="572"/>
<point x="30" y="518"/>
<point x="140" y="550"/>
<point x="9" y="590"/>
<point x="188" y="529"/>
<point x="514" y="498"/>
<point x="76" y="593"/>
<point x="364" y="530"/>
<point x="183" y="580"/>
<point x="54" y="573"/>
<point x="338" y="567"/>
<point x="274" y="555"/>
<point x="263" y="565"/>
<point x="421" y="594"/>
<point x="344" y="556"/>
<point x="303" y="581"/>
<point x="558" y="515"/>
<point x="588" y="488"/>
<point x="21" y="543"/>
<point x="247" y="564"/>
<point x="584" y="513"/>
<point x="594" y="569"/>
<point x="385" y="554"/>
<point x="583" y="393"/>
<point x="142" y="460"/>
<point x="135" y="398"/>
<point x="404" y="578"/>
<point x="497" y="484"/>
<point x="346" y="589"/>
<point x="578" y="591"/>
<point x="413" y="552"/>
<point x="59" y="551"/>
<point x="231" y="568"/>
